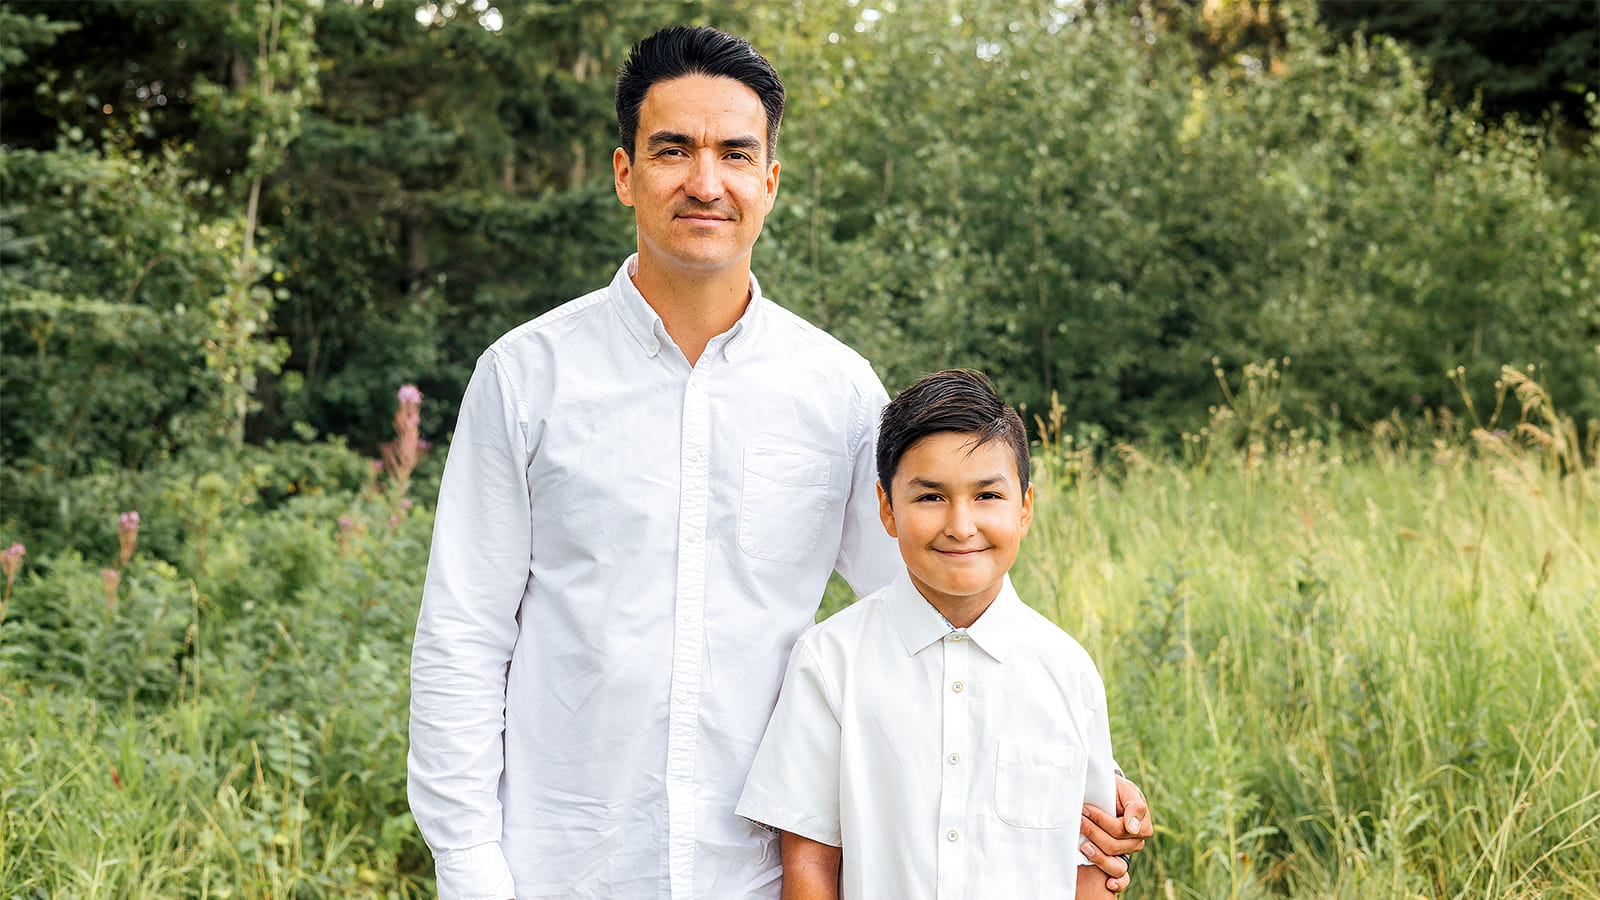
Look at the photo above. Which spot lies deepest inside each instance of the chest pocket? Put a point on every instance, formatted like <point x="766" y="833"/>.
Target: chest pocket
<point x="783" y="503"/>
<point x="1038" y="785"/>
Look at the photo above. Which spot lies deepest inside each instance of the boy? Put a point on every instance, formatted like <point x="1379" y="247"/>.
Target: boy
<point x="937" y="739"/>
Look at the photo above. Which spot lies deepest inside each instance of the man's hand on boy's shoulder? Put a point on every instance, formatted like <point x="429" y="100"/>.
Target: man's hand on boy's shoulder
<point x="1110" y="839"/>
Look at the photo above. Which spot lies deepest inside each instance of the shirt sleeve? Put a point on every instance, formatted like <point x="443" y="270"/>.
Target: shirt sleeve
<point x="794" y="783"/>
<point x="868" y="558"/>
<point x="1100" y="782"/>
<point x="477" y="573"/>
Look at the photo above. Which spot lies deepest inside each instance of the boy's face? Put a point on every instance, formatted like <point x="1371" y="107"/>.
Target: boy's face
<point x="959" y="513"/>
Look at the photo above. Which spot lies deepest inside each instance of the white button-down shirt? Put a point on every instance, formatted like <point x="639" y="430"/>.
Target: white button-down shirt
<point x="625" y="549"/>
<point x="948" y="763"/>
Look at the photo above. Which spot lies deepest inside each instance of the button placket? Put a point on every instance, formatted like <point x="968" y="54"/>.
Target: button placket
<point x="955" y="778"/>
<point x="688" y="636"/>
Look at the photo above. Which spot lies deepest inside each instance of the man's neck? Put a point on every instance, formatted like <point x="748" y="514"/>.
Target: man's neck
<point x="695" y="309"/>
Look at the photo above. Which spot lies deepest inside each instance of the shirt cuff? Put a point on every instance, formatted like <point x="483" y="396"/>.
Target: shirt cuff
<point x="475" y="873"/>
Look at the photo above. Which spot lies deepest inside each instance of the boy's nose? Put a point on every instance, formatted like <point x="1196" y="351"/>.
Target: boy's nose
<point x="959" y="524"/>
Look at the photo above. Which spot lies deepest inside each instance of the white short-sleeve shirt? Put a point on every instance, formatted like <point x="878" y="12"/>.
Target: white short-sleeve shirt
<point x="948" y="763"/>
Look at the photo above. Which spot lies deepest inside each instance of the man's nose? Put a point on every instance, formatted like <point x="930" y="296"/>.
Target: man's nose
<point x="705" y="183"/>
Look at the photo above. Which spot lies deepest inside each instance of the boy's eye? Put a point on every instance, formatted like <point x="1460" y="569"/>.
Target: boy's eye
<point x="921" y="498"/>
<point x="990" y="495"/>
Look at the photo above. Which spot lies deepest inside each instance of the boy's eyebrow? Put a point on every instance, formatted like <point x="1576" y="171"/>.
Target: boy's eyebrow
<point x="918" y="481"/>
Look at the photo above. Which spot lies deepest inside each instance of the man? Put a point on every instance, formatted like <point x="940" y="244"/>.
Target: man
<point x="646" y="493"/>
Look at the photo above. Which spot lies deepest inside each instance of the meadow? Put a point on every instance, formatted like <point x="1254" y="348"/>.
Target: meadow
<point x="1341" y="665"/>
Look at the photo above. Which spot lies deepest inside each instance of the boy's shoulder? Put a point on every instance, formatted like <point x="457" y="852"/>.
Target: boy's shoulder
<point x="848" y="626"/>
<point x="1043" y="639"/>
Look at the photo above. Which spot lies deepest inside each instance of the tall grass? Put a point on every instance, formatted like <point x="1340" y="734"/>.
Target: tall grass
<point x="1338" y="670"/>
<point x="1339" y="667"/>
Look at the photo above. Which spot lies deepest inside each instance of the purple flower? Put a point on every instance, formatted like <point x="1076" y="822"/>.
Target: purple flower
<point x="10" y="561"/>
<point x="405" y="503"/>
<point x="393" y="521"/>
<point x="128" y="521"/>
<point x="377" y="465"/>
<point x="423" y="444"/>
<point x="345" y="524"/>
<point x="409" y="395"/>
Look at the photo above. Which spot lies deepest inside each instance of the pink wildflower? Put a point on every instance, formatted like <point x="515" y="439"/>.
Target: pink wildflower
<point x="393" y="521"/>
<point x="109" y="579"/>
<point x="127" y="535"/>
<point x="406" y="503"/>
<point x="401" y="453"/>
<point x="11" y="561"/>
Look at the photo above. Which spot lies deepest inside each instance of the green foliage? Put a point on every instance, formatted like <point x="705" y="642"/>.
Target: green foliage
<point x="129" y="327"/>
<point x="1056" y="198"/>
<point x="1477" y="49"/>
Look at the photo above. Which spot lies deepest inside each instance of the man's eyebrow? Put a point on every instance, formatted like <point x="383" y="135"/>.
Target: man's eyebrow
<point x="666" y="139"/>
<point x="742" y="142"/>
<point x="678" y="139"/>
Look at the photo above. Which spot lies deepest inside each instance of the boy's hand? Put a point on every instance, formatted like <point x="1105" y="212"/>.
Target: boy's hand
<point x="810" y="868"/>
<point x="1110" y="837"/>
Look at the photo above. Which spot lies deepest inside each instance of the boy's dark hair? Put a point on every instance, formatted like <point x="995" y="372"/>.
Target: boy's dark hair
<point x="682" y="50"/>
<point x="960" y="400"/>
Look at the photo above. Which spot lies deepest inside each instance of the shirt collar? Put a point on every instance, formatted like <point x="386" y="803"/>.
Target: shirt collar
<point x="646" y="326"/>
<point x="921" y="626"/>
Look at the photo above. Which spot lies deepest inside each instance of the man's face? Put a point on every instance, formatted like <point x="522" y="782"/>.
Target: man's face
<point x="959" y="513"/>
<point x="701" y="181"/>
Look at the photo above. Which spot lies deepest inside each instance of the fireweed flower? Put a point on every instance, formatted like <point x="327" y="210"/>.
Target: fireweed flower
<point x="346" y="526"/>
<point x="11" y="561"/>
<point x="401" y="453"/>
<point x="127" y="535"/>
<point x="109" y="579"/>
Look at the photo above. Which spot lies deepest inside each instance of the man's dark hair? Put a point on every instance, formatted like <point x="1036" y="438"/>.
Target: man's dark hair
<point x="682" y="50"/>
<point x="959" y="400"/>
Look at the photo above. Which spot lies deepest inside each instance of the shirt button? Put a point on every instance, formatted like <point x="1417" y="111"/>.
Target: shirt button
<point x="958" y="687"/>
<point x="957" y="637"/>
<point x="951" y="835"/>
<point x="955" y="758"/>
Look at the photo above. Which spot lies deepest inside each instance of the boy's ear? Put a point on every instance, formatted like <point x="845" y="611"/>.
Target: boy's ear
<point x="1027" y="509"/>
<point x="886" y="512"/>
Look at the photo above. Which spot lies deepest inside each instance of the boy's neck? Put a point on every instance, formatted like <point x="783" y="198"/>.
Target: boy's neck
<point x="960" y="612"/>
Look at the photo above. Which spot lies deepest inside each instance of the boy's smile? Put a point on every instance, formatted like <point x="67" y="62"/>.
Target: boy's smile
<point x="959" y="513"/>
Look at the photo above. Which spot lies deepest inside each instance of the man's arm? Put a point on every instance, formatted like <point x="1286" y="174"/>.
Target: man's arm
<point x="477" y="572"/>
<point x="868" y="558"/>
<point x="810" y="868"/>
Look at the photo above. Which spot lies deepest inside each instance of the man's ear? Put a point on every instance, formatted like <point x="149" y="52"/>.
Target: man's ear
<point x="622" y="171"/>
<point x="886" y="512"/>
<point x="1027" y="509"/>
<point x="772" y="183"/>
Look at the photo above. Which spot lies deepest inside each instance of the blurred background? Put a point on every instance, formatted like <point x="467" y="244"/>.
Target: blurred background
<point x="1358" y="240"/>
